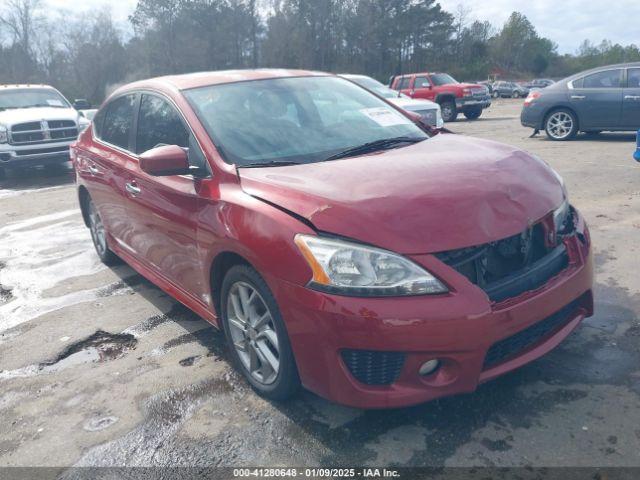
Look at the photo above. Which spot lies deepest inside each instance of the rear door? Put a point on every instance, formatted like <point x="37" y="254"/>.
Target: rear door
<point x="597" y="99"/>
<point x="631" y="100"/>
<point x="102" y="165"/>
<point x="403" y="84"/>
<point x="422" y="88"/>
<point x="164" y="210"/>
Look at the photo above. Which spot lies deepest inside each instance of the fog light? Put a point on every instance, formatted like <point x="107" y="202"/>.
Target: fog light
<point x="429" y="367"/>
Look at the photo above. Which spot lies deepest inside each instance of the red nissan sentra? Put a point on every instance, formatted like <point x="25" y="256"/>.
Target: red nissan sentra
<point x="339" y="244"/>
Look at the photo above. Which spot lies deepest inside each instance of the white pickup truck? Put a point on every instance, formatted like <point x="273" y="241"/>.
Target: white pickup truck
<point x="37" y="125"/>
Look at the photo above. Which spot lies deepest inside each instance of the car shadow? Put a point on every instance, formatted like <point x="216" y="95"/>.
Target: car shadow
<point x="36" y="178"/>
<point x="605" y="137"/>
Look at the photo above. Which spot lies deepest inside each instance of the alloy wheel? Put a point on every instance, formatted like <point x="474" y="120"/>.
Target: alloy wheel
<point x="560" y="125"/>
<point x="253" y="333"/>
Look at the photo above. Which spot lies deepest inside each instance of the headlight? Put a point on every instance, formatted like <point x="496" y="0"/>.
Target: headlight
<point x="4" y="134"/>
<point x="350" y="269"/>
<point x="83" y="124"/>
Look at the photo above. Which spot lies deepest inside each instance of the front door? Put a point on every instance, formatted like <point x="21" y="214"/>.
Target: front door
<point x="631" y="100"/>
<point x="422" y="88"/>
<point x="164" y="210"/>
<point x="597" y="99"/>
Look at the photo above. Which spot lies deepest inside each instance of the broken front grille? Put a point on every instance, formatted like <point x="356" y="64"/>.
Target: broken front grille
<point x="511" y="266"/>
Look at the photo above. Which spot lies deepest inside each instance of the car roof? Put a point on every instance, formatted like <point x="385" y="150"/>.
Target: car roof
<point x="203" y="79"/>
<point x="352" y="75"/>
<point x="602" y="68"/>
<point x="25" y="86"/>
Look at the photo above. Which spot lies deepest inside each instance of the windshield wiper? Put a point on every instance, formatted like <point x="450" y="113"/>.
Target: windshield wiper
<point x="373" y="147"/>
<point x="271" y="163"/>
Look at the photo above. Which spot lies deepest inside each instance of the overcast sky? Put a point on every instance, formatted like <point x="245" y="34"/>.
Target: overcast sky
<point x="567" y="22"/>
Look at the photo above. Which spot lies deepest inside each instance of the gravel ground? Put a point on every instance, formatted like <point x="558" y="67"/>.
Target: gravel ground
<point x="99" y="367"/>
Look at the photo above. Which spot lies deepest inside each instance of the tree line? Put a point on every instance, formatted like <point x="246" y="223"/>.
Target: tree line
<point x="85" y="57"/>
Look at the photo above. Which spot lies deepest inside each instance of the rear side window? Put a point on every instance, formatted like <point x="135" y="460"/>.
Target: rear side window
<point x="422" y="82"/>
<point x="633" y="78"/>
<point x="118" y="121"/>
<point x="606" y="79"/>
<point x="159" y="124"/>
<point x="403" y="84"/>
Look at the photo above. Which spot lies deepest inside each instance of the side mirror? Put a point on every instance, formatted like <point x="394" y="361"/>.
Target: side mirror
<point x="165" y="161"/>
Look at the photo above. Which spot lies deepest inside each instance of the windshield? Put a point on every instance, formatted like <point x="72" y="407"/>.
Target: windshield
<point x="377" y="87"/>
<point x="442" y="79"/>
<point x="31" y="98"/>
<point x="300" y="120"/>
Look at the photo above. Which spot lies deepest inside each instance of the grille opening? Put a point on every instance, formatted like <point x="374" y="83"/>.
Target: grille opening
<point x="25" y="127"/>
<point x="516" y="344"/>
<point x="374" y="367"/>
<point x="511" y="266"/>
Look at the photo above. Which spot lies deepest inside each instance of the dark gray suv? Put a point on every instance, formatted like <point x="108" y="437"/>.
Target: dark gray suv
<point x="605" y="98"/>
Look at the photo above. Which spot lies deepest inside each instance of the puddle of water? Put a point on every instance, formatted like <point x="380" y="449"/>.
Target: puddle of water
<point x="97" y="424"/>
<point x="39" y="253"/>
<point x="99" y="347"/>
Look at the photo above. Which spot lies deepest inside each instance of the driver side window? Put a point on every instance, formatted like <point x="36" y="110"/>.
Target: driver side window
<point x="159" y="123"/>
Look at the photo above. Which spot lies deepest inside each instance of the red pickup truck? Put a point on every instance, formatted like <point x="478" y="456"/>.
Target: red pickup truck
<point x="442" y="88"/>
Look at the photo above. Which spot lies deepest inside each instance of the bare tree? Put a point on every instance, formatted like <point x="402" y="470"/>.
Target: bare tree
<point x="22" y="19"/>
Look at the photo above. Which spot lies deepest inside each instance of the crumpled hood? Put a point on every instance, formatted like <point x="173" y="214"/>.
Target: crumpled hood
<point x="21" y="115"/>
<point x="445" y="193"/>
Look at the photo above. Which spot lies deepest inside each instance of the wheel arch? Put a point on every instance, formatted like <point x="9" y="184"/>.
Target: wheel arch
<point x="556" y="108"/>
<point x="220" y="265"/>
<point x="443" y="97"/>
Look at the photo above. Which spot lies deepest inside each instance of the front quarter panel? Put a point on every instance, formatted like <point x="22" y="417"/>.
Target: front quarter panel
<point x="260" y="233"/>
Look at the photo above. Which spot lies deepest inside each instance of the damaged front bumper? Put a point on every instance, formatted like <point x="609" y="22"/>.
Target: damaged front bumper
<point x="367" y="353"/>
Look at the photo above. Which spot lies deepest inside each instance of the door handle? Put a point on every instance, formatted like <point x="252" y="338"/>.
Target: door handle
<point x="94" y="170"/>
<point x="578" y="97"/>
<point x="132" y="188"/>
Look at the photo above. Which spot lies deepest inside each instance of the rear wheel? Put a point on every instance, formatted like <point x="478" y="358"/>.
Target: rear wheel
<point x="473" y="113"/>
<point x="99" y="236"/>
<point x="449" y="110"/>
<point x="561" y="125"/>
<point x="257" y="335"/>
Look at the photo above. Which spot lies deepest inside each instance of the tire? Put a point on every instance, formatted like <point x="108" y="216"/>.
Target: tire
<point x="496" y="94"/>
<point x="561" y="125"/>
<point x="515" y="94"/>
<point x="473" y="113"/>
<point x="449" y="111"/>
<point x="262" y="353"/>
<point x="99" y="236"/>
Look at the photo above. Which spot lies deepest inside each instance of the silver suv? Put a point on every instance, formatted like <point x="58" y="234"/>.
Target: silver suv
<point x="37" y="125"/>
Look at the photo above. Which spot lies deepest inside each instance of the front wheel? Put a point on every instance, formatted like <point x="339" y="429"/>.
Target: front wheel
<point x="257" y="335"/>
<point x="561" y="125"/>
<point x="473" y="113"/>
<point x="515" y="94"/>
<point x="449" y="111"/>
<point x="496" y="94"/>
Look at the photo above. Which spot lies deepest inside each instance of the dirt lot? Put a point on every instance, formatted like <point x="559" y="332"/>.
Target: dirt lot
<point x="99" y="367"/>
